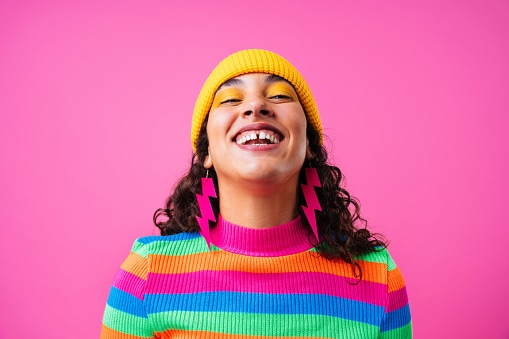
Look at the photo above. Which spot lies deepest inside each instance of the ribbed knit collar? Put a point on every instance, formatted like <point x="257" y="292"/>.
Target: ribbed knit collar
<point x="286" y="239"/>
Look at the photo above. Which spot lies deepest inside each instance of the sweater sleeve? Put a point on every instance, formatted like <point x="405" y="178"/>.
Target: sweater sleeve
<point x="125" y="316"/>
<point x="397" y="322"/>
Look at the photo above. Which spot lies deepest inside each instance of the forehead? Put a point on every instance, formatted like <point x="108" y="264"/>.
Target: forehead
<point x="240" y="80"/>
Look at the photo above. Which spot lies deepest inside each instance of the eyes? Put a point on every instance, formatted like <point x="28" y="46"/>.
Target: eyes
<point x="275" y="98"/>
<point x="229" y="101"/>
<point x="234" y="94"/>
<point x="281" y="96"/>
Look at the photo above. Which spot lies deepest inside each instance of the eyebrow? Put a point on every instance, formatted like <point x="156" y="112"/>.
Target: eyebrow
<point x="231" y="82"/>
<point x="271" y="78"/>
<point x="274" y="78"/>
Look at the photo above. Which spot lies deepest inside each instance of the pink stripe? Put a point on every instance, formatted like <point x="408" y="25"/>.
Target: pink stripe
<point x="274" y="283"/>
<point x="397" y="299"/>
<point x="285" y="239"/>
<point x="129" y="283"/>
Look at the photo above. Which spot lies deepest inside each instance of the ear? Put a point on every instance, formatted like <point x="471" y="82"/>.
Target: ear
<point x="208" y="162"/>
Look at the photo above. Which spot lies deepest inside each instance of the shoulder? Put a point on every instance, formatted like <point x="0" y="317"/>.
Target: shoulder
<point x="380" y="255"/>
<point x="176" y="244"/>
<point x="144" y="249"/>
<point x="380" y="265"/>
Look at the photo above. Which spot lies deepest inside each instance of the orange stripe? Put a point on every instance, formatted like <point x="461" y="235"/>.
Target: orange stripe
<point x="136" y="264"/>
<point x="108" y="333"/>
<point x="395" y="280"/>
<point x="180" y="334"/>
<point x="224" y="261"/>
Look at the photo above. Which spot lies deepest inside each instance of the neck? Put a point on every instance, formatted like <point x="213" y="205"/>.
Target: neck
<point x="260" y="206"/>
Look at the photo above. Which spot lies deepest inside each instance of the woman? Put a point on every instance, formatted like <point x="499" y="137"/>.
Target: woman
<point x="259" y="239"/>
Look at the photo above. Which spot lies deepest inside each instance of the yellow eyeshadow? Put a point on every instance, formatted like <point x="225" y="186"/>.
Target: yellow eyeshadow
<point x="283" y="88"/>
<point x="226" y="94"/>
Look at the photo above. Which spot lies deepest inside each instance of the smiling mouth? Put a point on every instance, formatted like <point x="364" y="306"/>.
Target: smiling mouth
<point x="258" y="137"/>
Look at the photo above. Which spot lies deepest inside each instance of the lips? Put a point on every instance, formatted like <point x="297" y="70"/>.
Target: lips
<point x="258" y="134"/>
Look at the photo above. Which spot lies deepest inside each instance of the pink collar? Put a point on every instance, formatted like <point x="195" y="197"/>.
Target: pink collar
<point x="286" y="239"/>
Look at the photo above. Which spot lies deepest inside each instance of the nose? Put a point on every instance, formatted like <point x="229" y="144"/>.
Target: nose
<point x="257" y="105"/>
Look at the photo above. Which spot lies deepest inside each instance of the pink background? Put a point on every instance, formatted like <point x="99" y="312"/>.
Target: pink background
<point x="96" y="100"/>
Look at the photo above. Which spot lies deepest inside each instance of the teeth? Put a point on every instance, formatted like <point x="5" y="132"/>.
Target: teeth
<point x="253" y="136"/>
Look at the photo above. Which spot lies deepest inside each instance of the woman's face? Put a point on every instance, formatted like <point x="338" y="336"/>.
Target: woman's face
<point x="257" y="131"/>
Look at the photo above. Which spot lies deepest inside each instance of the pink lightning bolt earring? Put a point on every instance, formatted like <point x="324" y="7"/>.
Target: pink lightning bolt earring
<point x="311" y="199"/>
<point x="206" y="211"/>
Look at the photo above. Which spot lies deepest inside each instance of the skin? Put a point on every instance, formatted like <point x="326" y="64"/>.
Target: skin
<point x="258" y="184"/>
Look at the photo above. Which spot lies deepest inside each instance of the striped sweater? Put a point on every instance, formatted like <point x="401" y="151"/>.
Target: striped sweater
<point x="252" y="283"/>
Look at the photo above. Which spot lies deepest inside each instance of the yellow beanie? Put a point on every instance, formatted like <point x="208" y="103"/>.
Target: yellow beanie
<point x="253" y="61"/>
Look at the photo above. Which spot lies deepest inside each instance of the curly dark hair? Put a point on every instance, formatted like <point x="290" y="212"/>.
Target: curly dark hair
<point x="343" y="232"/>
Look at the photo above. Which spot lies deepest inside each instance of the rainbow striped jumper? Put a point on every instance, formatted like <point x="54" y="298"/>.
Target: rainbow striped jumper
<point x="254" y="283"/>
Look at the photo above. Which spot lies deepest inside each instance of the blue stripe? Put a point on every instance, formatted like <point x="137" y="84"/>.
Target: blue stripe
<point x="267" y="304"/>
<point x="168" y="238"/>
<point x="396" y="319"/>
<point x="126" y="302"/>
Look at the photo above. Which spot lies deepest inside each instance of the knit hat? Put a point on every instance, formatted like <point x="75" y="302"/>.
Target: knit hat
<point x="253" y="61"/>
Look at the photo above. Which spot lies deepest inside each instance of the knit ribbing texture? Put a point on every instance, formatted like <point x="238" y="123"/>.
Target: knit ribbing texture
<point x="175" y="287"/>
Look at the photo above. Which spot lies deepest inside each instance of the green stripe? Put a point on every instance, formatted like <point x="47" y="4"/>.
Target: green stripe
<point x="401" y="332"/>
<point x="380" y="257"/>
<point x="295" y="325"/>
<point x="178" y="248"/>
<point x="390" y="263"/>
<point x="126" y="323"/>
<point x="140" y="248"/>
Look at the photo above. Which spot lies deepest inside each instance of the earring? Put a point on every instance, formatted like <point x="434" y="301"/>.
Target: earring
<point x="311" y="198"/>
<point x="206" y="211"/>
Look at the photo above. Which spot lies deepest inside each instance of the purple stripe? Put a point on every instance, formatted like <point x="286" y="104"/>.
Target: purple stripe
<point x="272" y="283"/>
<point x="129" y="283"/>
<point x="397" y="299"/>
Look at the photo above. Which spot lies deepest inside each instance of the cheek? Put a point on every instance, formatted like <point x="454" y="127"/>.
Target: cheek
<point x="216" y="125"/>
<point x="218" y="128"/>
<point x="299" y="127"/>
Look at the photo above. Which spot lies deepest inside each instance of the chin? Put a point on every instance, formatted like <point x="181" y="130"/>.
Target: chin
<point x="268" y="174"/>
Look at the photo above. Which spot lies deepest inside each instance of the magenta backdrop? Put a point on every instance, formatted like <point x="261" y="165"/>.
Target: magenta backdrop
<point x="96" y="99"/>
